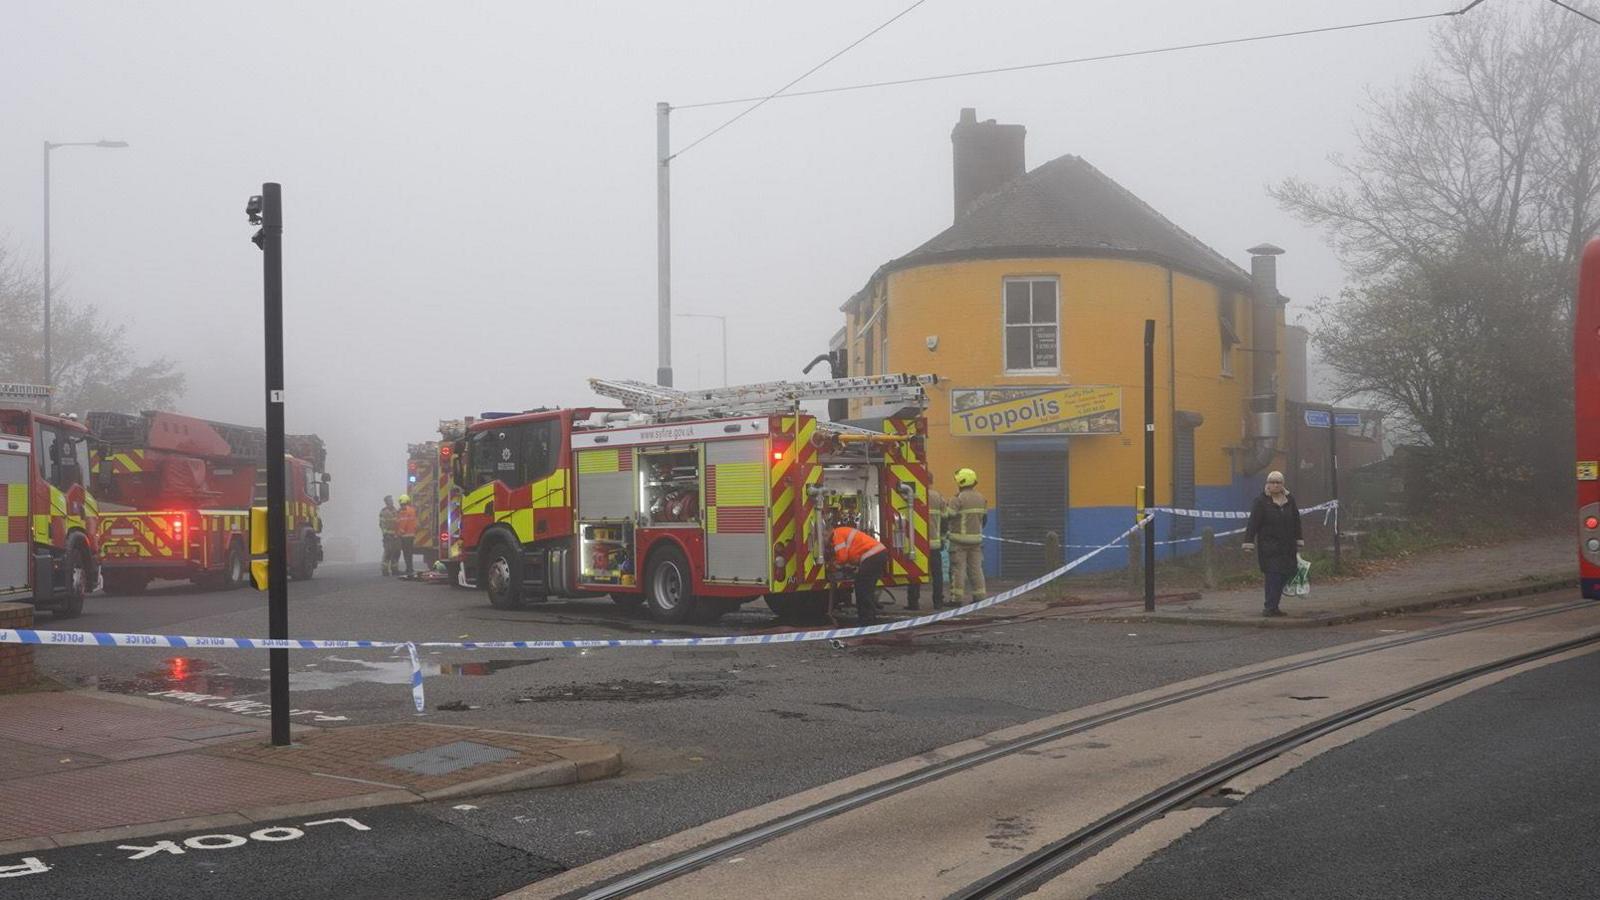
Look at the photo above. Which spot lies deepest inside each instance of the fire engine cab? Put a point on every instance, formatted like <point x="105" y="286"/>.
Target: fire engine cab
<point x="48" y="519"/>
<point x="693" y="502"/>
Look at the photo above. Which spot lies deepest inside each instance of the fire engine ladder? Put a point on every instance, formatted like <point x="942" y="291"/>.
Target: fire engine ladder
<point x="25" y="393"/>
<point x="760" y="399"/>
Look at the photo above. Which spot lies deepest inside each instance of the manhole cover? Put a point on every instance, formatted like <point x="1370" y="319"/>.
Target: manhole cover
<point x="448" y="758"/>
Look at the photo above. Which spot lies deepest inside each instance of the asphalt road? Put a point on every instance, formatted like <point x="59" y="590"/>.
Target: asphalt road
<point x="1490" y="795"/>
<point x="704" y="732"/>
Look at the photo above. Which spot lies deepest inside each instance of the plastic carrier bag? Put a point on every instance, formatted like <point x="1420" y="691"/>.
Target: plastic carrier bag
<point x="1300" y="584"/>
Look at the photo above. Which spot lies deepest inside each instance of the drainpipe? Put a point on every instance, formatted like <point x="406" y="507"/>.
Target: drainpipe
<point x="1261" y="445"/>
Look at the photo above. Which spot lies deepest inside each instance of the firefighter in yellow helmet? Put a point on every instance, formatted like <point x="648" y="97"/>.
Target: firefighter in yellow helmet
<point x="405" y="527"/>
<point x="968" y="514"/>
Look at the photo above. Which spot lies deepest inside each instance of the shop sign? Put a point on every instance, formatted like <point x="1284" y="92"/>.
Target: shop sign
<point x="1078" y="409"/>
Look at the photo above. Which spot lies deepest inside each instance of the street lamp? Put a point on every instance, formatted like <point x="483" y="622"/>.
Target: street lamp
<point x="724" y="321"/>
<point x="48" y="146"/>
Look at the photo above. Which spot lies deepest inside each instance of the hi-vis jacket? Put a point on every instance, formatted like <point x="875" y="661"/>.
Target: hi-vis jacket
<point x="969" y="512"/>
<point x="405" y="523"/>
<point x="851" y="546"/>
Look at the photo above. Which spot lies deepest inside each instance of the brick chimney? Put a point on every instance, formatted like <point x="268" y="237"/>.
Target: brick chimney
<point x="987" y="155"/>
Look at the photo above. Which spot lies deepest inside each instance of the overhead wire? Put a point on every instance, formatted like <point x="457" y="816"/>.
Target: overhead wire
<point x="1126" y="54"/>
<point x="1575" y="11"/>
<point x="803" y="76"/>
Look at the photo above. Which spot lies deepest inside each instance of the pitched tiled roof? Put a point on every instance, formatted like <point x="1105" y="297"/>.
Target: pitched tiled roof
<point x="1067" y="207"/>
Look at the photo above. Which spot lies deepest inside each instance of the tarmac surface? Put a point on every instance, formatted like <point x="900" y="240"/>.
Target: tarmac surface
<point x="1490" y="795"/>
<point x="704" y="733"/>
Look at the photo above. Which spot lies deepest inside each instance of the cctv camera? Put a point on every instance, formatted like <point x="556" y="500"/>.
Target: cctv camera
<point x="252" y="208"/>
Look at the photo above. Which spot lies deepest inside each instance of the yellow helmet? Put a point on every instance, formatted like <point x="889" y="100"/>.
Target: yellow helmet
<point x="406" y="498"/>
<point x="966" y="478"/>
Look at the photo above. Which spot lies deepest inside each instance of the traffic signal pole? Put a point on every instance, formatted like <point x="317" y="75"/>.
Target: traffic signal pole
<point x="269" y="212"/>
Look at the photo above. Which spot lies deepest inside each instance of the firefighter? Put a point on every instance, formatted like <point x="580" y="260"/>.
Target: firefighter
<point x="969" y="513"/>
<point x="405" y="526"/>
<point x="391" y="543"/>
<point x="852" y="548"/>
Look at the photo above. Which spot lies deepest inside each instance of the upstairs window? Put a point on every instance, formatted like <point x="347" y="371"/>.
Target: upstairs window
<point x="1032" y="325"/>
<point x="1230" y="334"/>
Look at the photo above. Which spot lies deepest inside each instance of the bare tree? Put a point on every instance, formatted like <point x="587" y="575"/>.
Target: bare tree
<point x="1460" y="220"/>
<point x="95" y="368"/>
<point x="1496" y="145"/>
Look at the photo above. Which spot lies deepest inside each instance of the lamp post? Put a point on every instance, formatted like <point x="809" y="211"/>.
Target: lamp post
<point x="724" y="321"/>
<point x="48" y="146"/>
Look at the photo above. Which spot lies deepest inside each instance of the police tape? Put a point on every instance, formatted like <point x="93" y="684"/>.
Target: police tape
<point x="1328" y="508"/>
<point x="51" y="637"/>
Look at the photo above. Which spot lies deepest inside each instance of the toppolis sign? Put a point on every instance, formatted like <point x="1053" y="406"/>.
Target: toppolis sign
<point x="1080" y="409"/>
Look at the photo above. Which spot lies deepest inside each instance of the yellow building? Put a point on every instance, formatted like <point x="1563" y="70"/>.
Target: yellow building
<point x="1031" y="308"/>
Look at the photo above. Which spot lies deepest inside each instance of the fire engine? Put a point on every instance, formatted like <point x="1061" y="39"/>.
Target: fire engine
<point x="692" y="503"/>
<point x="430" y="480"/>
<point x="176" y="493"/>
<point x="47" y="515"/>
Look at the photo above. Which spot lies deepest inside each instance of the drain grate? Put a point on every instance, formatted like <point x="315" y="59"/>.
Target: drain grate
<point x="448" y="758"/>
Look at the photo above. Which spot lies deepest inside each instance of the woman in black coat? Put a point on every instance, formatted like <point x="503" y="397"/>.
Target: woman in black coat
<point x="1274" y="533"/>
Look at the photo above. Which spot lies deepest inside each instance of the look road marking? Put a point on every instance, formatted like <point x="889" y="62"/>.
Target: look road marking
<point x="33" y="865"/>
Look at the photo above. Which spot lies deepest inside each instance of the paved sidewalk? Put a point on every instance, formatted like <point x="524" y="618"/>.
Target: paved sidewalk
<point x="82" y="767"/>
<point x="1447" y="578"/>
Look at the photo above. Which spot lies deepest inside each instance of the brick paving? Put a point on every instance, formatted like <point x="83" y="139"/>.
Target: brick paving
<point x="155" y="789"/>
<point x="100" y="726"/>
<point x="358" y="752"/>
<point x="75" y="762"/>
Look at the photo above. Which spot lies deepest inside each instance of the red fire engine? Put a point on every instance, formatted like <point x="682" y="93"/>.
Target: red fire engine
<point x="47" y="515"/>
<point x="693" y="503"/>
<point x="177" y="491"/>
<point x="430" y="480"/>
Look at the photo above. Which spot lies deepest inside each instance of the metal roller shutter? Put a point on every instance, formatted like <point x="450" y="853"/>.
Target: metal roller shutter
<point x="1031" y="499"/>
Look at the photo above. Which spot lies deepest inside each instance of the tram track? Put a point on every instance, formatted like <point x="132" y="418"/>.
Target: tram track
<point x="1065" y="852"/>
<point x="1028" y="874"/>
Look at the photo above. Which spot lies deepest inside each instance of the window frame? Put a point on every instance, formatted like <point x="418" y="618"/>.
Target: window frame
<point x="1006" y="325"/>
<point x="1228" y="330"/>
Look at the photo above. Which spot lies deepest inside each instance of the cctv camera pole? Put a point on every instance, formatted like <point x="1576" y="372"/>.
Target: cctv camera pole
<point x="1150" y="463"/>
<point x="277" y="529"/>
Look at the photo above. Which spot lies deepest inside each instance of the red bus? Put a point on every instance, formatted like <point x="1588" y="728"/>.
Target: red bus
<point x="1586" y="400"/>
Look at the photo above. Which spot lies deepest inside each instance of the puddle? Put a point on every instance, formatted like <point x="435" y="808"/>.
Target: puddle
<point x="624" y="691"/>
<point x="199" y="676"/>
<point x="395" y="671"/>
<point x="180" y="673"/>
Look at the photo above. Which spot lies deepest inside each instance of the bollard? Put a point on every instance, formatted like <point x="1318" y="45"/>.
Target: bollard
<point x="1208" y="558"/>
<point x="1052" y="551"/>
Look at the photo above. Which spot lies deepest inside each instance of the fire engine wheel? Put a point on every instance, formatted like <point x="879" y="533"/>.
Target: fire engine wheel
<point x="502" y="576"/>
<point x="667" y="586"/>
<point x="233" y="570"/>
<point x="80" y="578"/>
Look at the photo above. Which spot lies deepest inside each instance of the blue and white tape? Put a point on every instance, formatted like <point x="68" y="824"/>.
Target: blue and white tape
<point x="52" y="637"/>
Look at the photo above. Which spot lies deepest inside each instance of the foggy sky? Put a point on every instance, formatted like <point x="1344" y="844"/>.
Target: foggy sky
<point x="469" y="189"/>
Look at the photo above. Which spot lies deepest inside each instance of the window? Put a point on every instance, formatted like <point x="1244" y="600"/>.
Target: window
<point x="514" y="455"/>
<point x="1032" y="327"/>
<point x="1225" y="325"/>
<point x="60" y="456"/>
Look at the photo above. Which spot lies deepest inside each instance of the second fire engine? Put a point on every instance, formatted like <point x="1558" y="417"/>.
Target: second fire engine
<point x="693" y="502"/>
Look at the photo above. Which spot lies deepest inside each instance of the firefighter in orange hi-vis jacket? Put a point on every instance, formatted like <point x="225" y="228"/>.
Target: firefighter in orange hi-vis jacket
<point x="852" y="548"/>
